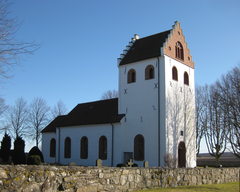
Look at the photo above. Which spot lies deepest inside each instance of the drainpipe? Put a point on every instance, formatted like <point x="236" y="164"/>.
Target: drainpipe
<point x="112" y="144"/>
<point x="58" y="145"/>
<point x="159" y="148"/>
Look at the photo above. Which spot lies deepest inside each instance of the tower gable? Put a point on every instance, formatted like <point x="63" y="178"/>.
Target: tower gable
<point x="171" y="43"/>
<point x="176" y="41"/>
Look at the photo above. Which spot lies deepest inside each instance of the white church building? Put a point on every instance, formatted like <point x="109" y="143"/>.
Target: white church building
<point x="153" y="115"/>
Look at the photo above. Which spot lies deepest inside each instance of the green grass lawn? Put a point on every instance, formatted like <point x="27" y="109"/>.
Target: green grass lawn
<point x="228" y="187"/>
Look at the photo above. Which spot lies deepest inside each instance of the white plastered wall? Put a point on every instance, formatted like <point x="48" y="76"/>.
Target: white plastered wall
<point x="180" y="111"/>
<point x="46" y="138"/>
<point x="138" y="101"/>
<point x="93" y="133"/>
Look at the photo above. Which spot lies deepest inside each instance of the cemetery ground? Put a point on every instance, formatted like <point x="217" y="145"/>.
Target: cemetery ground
<point x="226" y="187"/>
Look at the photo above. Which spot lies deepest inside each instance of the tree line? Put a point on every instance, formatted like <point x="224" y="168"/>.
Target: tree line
<point x="28" y="120"/>
<point x="218" y="115"/>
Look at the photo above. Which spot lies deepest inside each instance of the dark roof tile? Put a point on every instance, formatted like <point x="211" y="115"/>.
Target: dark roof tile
<point x="146" y="48"/>
<point x="98" y="112"/>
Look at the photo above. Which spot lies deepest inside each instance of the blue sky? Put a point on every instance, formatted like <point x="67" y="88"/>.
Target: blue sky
<point x="81" y="41"/>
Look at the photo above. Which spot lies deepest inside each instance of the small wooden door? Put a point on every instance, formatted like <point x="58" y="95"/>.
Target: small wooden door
<point x="181" y="154"/>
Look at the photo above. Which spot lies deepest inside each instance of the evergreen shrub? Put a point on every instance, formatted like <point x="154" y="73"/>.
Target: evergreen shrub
<point x="18" y="153"/>
<point x="36" y="151"/>
<point x="5" y="147"/>
<point x="34" y="160"/>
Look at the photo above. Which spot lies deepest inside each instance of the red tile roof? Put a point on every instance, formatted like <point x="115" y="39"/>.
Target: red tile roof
<point x="98" y="112"/>
<point x="146" y="48"/>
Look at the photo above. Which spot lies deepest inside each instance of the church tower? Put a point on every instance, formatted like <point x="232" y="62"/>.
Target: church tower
<point x="156" y="94"/>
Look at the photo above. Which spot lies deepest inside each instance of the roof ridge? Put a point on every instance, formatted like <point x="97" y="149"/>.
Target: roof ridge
<point x="155" y="34"/>
<point x="100" y="100"/>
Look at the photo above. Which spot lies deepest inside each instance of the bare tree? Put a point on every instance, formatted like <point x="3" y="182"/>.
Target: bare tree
<point x="12" y="50"/>
<point x="201" y="96"/>
<point x="17" y="118"/>
<point x="59" y="109"/>
<point x="109" y="94"/>
<point x="3" y="106"/>
<point x="216" y="130"/>
<point x="38" y="118"/>
<point x="3" y="109"/>
<point x="230" y="102"/>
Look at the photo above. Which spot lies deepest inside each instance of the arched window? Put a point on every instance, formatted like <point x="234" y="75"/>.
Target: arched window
<point x="149" y="72"/>
<point x="179" y="51"/>
<point x="174" y="73"/>
<point x="186" y="78"/>
<point x="139" y="148"/>
<point x="103" y="148"/>
<point x="67" y="148"/>
<point x="53" y="148"/>
<point x="131" y="76"/>
<point x="84" y="148"/>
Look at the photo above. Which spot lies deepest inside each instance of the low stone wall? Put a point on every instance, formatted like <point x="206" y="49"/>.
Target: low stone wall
<point x="27" y="178"/>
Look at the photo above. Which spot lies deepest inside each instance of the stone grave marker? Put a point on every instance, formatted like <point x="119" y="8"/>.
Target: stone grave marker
<point x="99" y="163"/>
<point x="72" y="164"/>
<point x="146" y="164"/>
<point x="130" y="163"/>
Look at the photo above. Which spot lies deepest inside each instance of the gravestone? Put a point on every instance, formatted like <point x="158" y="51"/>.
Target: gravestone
<point x="99" y="163"/>
<point x="130" y="163"/>
<point x="72" y="164"/>
<point x="145" y="164"/>
<point x="127" y="156"/>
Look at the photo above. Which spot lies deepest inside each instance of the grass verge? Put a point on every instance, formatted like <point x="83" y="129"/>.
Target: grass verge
<point x="227" y="187"/>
